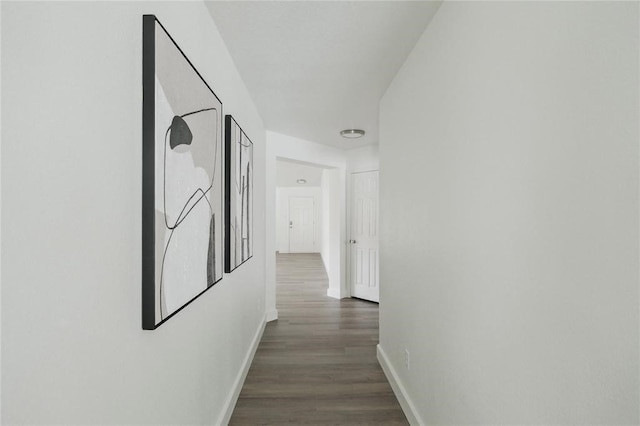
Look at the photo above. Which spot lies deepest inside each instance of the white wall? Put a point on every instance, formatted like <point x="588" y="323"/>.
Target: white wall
<point x="281" y="146"/>
<point x="325" y="240"/>
<point x="282" y="215"/>
<point x="73" y="351"/>
<point x="334" y="249"/>
<point x="363" y="159"/>
<point x="509" y="215"/>
<point x="0" y="218"/>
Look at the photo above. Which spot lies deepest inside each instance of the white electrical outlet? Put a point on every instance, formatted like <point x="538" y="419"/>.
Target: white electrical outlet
<point x="406" y="359"/>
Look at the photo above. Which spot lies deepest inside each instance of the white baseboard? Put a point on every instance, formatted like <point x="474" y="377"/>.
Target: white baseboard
<point x="335" y="293"/>
<point x="271" y="316"/>
<point x="401" y="394"/>
<point x="230" y="403"/>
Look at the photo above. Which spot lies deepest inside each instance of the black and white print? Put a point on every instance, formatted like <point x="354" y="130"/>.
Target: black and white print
<point x="182" y="179"/>
<point x="239" y="195"/>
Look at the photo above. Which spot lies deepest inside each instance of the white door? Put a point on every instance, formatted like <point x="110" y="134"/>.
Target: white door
<point x="301" y="225"/>
<point x="364" y="236"/>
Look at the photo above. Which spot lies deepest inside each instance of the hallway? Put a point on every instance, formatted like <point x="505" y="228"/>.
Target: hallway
<point x="317" y="363"/>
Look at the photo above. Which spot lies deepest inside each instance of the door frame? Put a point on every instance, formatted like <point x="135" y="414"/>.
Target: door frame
<point x="349" y="208"/>
<point x="281" y="147"/>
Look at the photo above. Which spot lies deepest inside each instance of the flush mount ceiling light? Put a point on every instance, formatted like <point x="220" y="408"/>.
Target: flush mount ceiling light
<point x="301" y="181"/>
<point x="352" y="133"/>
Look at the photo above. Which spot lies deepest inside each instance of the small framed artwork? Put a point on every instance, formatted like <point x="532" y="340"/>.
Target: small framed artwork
<point x="239" y="195"/>
<point x="182" y="233"/>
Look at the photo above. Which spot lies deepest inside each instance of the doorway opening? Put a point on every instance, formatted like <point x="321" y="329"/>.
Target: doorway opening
<point x="306" y="219"/>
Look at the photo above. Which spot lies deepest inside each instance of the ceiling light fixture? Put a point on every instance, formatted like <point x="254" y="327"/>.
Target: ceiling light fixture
<point x="352" y="133"/>
<point x="301" y="181"/>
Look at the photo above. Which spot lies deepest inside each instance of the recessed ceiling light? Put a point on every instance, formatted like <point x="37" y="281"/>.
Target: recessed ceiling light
<point x="352" y="133"/>
<point x="301" y="181"/>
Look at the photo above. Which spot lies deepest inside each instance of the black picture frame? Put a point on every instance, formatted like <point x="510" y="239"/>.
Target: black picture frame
<point x="238" y="195"/>
<point x="182" y="179"/>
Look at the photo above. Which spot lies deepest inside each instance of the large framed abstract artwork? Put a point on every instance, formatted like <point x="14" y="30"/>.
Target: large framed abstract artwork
<point x="182" y="234"/>
<point x="239" y="195"/>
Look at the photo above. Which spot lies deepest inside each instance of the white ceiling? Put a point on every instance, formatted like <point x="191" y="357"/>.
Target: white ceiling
<point x="288" y="172"/>
<point x="314" y="68"/>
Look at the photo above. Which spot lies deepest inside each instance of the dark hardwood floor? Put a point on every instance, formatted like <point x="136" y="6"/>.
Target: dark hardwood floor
<point x="317" y="363"/>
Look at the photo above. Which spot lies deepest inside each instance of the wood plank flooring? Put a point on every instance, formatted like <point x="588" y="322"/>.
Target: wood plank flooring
<point x="317" y="363"/>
